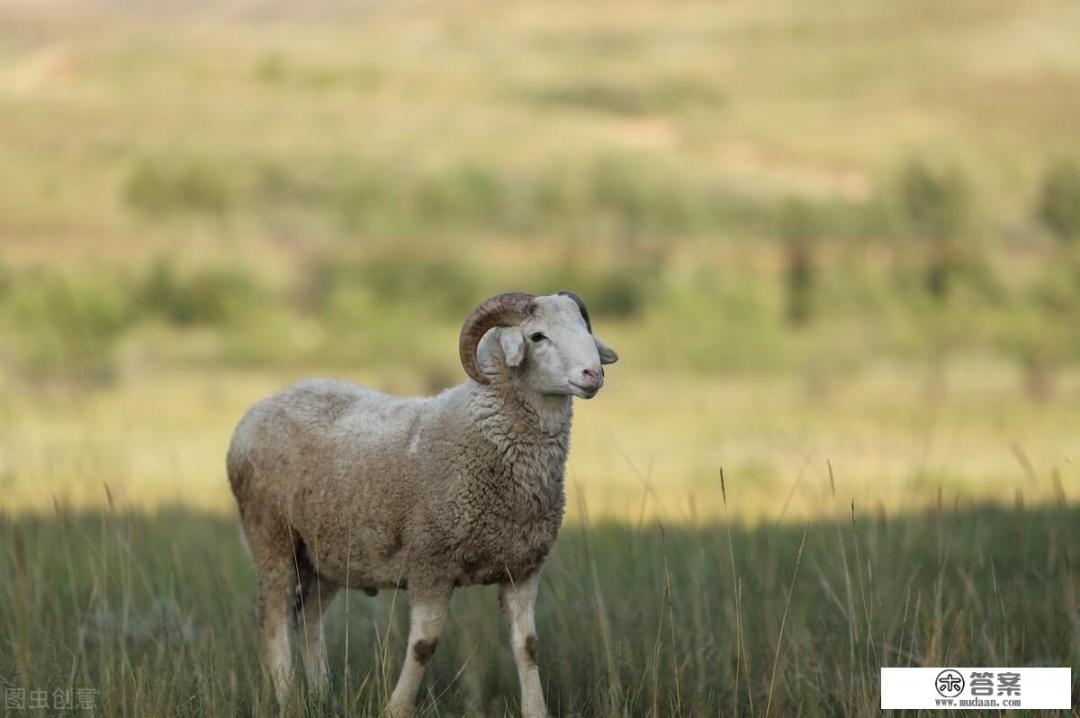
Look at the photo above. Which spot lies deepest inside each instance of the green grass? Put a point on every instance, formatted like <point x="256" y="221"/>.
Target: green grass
<point x="156" y="612"/>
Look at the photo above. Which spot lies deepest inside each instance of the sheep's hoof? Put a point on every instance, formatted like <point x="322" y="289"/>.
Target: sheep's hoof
<point x="534" y="712"/>
<point x="398" y="710"/>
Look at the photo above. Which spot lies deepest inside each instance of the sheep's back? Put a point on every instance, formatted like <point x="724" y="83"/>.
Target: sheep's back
<point x="330" y="458"/>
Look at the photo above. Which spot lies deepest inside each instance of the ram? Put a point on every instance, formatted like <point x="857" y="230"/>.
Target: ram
<point x="343" y="487"/>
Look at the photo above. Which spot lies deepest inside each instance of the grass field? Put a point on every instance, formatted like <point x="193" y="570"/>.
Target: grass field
<point x="154" y="610"/>
<point x="836" y="246"/>
<point x="934" y="534"/>
<point x="651" y="446"/>
<point x="452" y="123"/>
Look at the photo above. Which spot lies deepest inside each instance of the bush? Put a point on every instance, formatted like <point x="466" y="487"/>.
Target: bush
<point x="1036" y="328"/>
<point x="936" y="204"/>
<point x="205" y="296"/>
<point x="439" y="289"/>
<point x="799" y="225"/>
<point x="169" y="188"/>
<point x="637" y="197"/>
<point x="55" y="326"/>
<point x="626" y="196"/>
<point x="1059" y="202"/>
<point x="936" y="207"/>
<point x="617" y="99"/>
<point x="665" y="94"/>
<point x="618" y="292"/>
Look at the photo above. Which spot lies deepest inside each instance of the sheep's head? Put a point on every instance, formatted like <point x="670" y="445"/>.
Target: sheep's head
<point x="547" y="340"/>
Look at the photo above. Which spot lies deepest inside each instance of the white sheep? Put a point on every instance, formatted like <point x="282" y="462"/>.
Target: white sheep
<point x="343" y="487"/>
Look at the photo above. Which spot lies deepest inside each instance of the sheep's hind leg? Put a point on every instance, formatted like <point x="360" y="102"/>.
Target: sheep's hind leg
<point x="275" y="596"/>
<point x="272" y="546"/>
<point x="314" y="601"/>
<point x="519" y="601"/>
<point x="273" y="622"/>
<point x="427" y="612"/>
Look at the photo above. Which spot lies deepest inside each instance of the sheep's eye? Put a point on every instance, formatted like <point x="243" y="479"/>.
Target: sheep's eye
<point x="537" y="336"/>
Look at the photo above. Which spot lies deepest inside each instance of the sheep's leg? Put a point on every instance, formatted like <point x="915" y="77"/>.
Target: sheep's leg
<point x="518" y="602"/>
<point x="427" y="611"/>
<point x="273" y="545"/>
<point x="316" y="600"/>
<point x="274" y="598"/>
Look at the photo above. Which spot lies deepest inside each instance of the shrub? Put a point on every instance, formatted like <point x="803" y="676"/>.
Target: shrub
<point x="169" y="188"/>
<point x="360" y="289"/>
<point x="799" y="227"/>
<point x="55" y="326"/>
<point x="936" y="207"/>
<point x="597" y="96"/>
<point x="639" y="197"/>
<point x="1036" y="329"/>
<point x="611" y="292"/>
<point x="936" y="203"/>
<point x="665" y="94"/>
<point x="205" y="296"/>
<point x="1059" y="201"/>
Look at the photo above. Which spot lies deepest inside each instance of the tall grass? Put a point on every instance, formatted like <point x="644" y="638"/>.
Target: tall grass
<point x="155" y="612"/>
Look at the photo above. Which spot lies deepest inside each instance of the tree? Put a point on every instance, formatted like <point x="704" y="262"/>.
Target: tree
<point x="799" y="227"/>
<point x="936" y="207"/>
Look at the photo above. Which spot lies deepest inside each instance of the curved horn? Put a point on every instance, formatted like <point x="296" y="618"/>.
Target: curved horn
<point x="581" y="305"/>
<point x="498" y="311"/>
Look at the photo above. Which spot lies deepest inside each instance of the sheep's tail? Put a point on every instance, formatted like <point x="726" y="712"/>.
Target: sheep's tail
<point x="239" y="470"/>
<point x="245" y="544"/>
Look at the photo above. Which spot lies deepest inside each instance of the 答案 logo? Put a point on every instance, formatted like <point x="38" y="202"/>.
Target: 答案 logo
<point x="949" y="683"/>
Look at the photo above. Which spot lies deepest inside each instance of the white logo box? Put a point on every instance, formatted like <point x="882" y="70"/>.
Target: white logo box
<point x="983" y="688"/>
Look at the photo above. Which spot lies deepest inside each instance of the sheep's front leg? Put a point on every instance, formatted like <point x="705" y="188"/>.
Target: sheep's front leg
<point x="427" y="612"/>
<point x="519" y="601"/>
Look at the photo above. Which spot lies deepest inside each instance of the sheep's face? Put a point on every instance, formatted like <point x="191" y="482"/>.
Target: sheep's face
<point x="553" y="350"/>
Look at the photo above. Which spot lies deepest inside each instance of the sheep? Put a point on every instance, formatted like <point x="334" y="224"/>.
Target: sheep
<point x="339" y="486"/>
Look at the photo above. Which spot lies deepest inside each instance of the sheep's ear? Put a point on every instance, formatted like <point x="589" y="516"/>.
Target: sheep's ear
<point x="607" y="354"/>
<point x="513" y="345"/>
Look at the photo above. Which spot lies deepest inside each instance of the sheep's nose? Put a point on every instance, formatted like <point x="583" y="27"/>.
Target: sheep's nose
<point x="591" y="378"/>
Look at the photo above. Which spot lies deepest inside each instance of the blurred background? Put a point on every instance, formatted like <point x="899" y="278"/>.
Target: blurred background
<point x="838" y="235"/>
